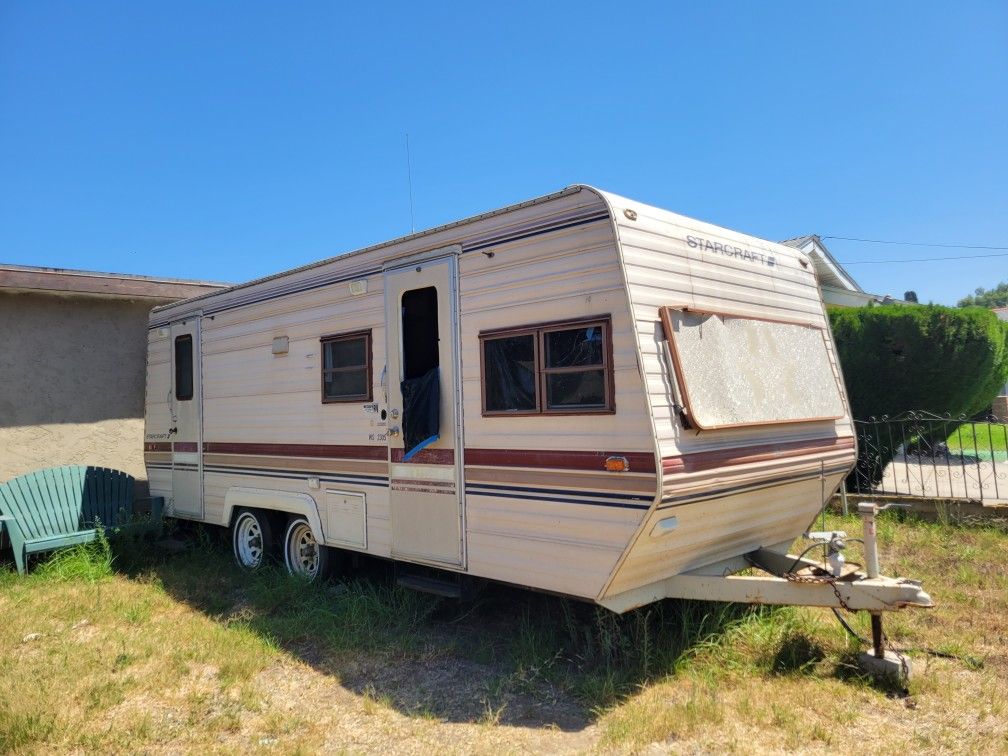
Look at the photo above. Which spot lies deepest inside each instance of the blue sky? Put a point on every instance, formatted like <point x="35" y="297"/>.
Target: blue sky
<point x="231" y="140"/>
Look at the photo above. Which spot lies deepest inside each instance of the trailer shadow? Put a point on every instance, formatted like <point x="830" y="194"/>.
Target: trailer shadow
<point x="510" y="656"/>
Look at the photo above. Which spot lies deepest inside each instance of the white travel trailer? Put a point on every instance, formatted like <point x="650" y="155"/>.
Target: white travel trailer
<point x="580" y="394"/>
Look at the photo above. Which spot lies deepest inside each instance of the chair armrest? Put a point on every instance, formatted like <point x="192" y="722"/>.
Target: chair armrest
<point x="13" y="529"/>
<point x="17" y="541"/>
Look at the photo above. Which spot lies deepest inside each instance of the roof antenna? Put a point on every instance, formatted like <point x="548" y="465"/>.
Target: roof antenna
<point x="409" y="175"/>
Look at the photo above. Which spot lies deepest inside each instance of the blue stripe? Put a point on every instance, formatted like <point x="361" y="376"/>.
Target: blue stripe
<point x="420" y="447"/>
<point x="590" y="502"/>
<point x="369" y="480"/>
<point x="293" y="473"/>
<point x="289" y="474"/>
<point x="529" y="234"/>
<point x="561" y="492"/>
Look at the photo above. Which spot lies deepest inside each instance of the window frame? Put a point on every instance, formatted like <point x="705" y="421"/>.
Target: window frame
<point x="369" y="366"/>
<point x="538" y="332"/>
<point x="682" y="383"/>
<point x="184" y="338"/>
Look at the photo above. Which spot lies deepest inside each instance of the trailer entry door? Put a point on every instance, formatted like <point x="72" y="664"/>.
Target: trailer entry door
<point x="424" y="428"/>
<point x="186" y="406"/>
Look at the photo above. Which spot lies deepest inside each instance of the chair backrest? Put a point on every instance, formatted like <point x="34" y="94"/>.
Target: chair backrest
<point x="66" y="499"/>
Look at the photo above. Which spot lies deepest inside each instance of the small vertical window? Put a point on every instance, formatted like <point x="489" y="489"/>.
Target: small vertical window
<point x="183" y="368"/>
<point x="346" y="367"/>
<point x="557" y="368"/>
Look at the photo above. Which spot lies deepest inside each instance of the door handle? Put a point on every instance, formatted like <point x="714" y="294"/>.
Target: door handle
<point x="393" y="431"/>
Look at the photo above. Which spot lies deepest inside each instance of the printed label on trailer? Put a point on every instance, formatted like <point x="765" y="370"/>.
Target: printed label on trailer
<point x="730" y="250"/>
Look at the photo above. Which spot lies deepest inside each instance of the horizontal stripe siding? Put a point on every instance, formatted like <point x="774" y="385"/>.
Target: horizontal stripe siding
<point x="709" y="530"/>
<point x="571" y="495"/>
<point x="672" y="501"/>
<point x="719" y="458"/>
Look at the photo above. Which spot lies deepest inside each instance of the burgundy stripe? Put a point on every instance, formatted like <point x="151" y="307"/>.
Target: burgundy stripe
<point x="697" y="461"/>
<point x="570" y="460"/>
<point x="325" y="451"/>
<point x="157" y="446"/>
<point x="427" y="457"/>
<point x="184" y="446"/>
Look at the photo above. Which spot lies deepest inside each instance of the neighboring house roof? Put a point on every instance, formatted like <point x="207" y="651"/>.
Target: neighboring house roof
<point x="25" y="278"/>
<point x="1001" y="312"/>
<point x="829" y="270"/>
<point x="837" y="285"/>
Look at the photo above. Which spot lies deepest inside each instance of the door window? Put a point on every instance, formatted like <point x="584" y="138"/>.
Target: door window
<point x="183" y="368"/>
<point x="421" y="383"/>
<point x="420" y="332"/>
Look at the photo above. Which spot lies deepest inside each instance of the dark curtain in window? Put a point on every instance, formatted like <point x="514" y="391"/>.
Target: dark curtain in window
<point x="183" y="368"/>
<point x="509" y="365"/>
<point x="421" y="418"/>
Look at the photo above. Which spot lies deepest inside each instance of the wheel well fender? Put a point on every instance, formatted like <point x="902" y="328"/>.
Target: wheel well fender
<point x="269" y="500"/>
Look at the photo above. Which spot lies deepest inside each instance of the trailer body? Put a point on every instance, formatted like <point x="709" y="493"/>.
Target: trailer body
<point x="625" y="395"/>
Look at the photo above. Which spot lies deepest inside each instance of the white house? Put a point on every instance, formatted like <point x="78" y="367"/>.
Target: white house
<point x="838" y="286"/>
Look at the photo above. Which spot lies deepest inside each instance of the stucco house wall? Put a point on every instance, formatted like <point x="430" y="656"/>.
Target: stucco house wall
<point x="72" y="366"/>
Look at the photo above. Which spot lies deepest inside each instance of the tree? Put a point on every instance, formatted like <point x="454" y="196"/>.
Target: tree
<point x="996" y="297"/>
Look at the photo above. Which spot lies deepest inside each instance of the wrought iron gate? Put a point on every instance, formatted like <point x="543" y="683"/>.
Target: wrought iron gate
<point x="919" y="454"/>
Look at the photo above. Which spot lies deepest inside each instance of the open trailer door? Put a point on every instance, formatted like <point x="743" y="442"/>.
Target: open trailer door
<point x="424" y="429"/>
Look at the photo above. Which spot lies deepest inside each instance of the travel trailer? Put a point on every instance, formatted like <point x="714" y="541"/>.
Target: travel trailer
<point x="580" y="394"/>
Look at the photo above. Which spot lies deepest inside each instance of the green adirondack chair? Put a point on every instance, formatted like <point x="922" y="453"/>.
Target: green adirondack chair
<point x="63" y="506"/>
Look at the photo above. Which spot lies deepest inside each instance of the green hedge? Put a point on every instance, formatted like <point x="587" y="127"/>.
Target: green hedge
<point x="897" y="358"/>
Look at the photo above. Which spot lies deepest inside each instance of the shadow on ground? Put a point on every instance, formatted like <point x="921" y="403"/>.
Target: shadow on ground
<point x="510" y="656"/>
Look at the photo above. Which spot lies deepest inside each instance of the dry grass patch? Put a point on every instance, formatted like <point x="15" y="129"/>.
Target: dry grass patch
<point x="186" y="653"/>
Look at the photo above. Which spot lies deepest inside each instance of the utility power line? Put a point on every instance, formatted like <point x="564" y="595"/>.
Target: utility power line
<point x="923" y="259"/>
<point x="914" y="244"/>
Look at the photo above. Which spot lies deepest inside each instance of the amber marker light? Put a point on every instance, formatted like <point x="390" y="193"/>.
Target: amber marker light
<point x="617" y="464"/>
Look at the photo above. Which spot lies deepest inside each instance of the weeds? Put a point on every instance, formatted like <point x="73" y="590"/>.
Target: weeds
<point x="192" y="635"/>
<point x="20" y="730"/>
<point x="86" y="562"/>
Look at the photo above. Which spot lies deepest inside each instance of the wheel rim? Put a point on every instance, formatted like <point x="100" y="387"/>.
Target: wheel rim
<point x="302" y="551"/>
<point x="249" y="541"/>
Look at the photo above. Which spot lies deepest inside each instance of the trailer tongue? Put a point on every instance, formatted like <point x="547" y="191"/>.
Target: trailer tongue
<point x="787" y="579"/>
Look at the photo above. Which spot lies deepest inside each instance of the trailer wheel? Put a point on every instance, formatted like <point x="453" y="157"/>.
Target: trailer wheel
<point x="251" y="539"/>
<point x="304" y="555"/>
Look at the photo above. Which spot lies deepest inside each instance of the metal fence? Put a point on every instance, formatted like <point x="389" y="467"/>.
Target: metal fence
<point x="918" y="454"/>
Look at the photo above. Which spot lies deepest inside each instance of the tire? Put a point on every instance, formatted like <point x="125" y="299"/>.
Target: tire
<point x="252" y="541"/>
<point x="303" y="555"/>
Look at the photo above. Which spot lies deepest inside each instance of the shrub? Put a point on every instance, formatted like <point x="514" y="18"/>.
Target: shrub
<point x="899" y="358"/>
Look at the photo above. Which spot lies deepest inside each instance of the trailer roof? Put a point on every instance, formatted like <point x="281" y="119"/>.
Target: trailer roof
<point x="573" y="189"/>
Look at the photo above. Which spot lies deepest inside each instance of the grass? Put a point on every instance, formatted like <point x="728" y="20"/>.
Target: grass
<point x="105" y="649"/>
<point x="979" y="438"/>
